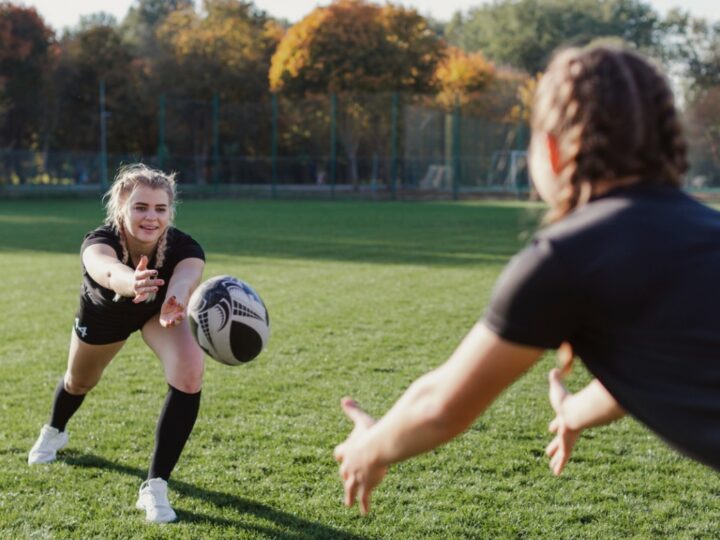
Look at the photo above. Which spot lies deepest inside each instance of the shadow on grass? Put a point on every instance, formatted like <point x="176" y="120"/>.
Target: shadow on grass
<point x="288" y="526"/>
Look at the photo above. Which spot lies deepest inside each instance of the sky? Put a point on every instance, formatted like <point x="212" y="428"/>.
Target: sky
<point x="62" y="13"/>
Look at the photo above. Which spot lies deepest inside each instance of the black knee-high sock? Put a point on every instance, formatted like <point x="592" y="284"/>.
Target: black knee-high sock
<point x="64" y="406"/>
<point x="173" y="429"/>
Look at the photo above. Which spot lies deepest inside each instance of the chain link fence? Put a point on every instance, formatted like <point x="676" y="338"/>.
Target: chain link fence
<point x="379" y="145"/>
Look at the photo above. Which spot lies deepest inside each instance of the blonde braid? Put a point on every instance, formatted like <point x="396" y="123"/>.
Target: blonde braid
<point x="123" y="242"/>
<point x="161" y="249"/>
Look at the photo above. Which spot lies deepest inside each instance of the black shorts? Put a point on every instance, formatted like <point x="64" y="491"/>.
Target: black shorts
<point x="100" y="325"/>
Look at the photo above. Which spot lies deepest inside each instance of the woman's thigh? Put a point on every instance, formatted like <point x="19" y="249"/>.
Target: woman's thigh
<point x="181" y="357"/>
<point x="86" y="363"/>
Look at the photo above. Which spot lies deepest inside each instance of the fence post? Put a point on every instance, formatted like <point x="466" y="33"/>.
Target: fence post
<point x="456" y="149"/>
<point x="161" y="149"/>
<point x="522" y="143"/>
<point x="274" y="143"/>
<point x="394" y="144"/>
<point x="333" y="149"/>
<point x="216" y="138"/>
<point x="103" y="137"/>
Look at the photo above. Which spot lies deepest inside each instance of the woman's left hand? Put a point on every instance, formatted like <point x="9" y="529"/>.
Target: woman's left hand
<point x="172" y="312"/>
<point x="561" y="447"/>
<point x="359" y="474"/>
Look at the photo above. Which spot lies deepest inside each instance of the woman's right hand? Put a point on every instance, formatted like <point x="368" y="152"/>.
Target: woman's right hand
<point x="561" y="447"/>
<point x="359" y="475"/>
<point x="145" y="282"/>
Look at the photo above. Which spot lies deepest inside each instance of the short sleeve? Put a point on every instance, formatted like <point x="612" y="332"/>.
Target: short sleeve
<point x="184" y="246"/>
<point x="102" y="235"/>
<point x="534" y="302"/>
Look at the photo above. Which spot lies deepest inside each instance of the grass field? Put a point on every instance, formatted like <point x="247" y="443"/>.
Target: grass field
<point x="363" y="298"/>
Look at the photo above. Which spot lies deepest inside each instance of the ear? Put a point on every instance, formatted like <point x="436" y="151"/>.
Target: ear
<point x="553" y="152"/>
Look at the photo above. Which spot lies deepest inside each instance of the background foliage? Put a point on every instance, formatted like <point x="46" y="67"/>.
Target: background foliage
<point x="232" y="52"/>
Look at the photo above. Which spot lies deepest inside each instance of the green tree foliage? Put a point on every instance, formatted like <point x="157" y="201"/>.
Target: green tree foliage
<point x="142" y="20"/>
<point x="692" y="46"/>
<point x="100" y="18"/>
<point x="26" y="57"/>
<point x="524" y="33"/>
<point x="88" y="56"/>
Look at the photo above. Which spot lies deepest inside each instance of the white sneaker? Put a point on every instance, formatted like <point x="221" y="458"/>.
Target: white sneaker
<point x="48" y="443"/>
<point x="154" y="500"/>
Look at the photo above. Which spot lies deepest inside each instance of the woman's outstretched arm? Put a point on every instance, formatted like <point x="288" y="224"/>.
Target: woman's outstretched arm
<point x="434" y="409"/>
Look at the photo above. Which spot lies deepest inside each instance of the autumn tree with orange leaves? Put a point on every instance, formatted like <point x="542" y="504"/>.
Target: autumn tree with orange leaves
<point x="223" y="51"/>
<point x="352" y="47"/>
<point x="462" y="76"/>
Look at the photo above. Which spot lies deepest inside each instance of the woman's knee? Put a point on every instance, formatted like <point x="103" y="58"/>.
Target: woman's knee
<point x="188" y="375"/>
<point x="187" y="384"/>
<point x="78" y="386"/>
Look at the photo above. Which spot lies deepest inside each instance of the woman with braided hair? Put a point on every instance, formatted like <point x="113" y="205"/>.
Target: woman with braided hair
<point x="623" y="275"/>
<point x="138" y="274"/>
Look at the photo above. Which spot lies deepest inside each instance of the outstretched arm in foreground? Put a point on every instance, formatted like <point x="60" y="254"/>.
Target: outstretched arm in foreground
<point x="434" y="409"/>
<point x="591" y="406"/>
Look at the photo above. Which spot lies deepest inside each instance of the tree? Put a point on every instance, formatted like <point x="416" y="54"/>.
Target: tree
<point x="26" y="56"/>
<point x="524" y="33"/>
<point x="692" y="49"/>
<point x="90" y="55"/>
<point x="225" y="52"/>
<point x="140" y="25"/>
<point x="703" y="117"/>
<point x="692" y="46"/>
<point x="461" y="76"/>
<point x="352" y="47"/>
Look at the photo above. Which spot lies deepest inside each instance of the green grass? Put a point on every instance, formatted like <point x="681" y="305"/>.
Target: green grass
<point x="363" y="297"/>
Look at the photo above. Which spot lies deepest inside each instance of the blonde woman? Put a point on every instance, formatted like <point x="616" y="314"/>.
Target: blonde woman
<point x="138" y="274"/>
<point x="625" y="275"/>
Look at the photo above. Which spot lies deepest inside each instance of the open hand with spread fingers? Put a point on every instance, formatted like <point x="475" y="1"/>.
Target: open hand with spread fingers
<point x="146" y="282"/>
<point x="172" y="312"/>
<point x="561" y="447"/>
<point x="359" y="473"/>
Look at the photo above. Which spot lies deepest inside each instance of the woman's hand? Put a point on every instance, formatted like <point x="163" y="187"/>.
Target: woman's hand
<point x="172" y="312"/>
<point x="359" y="474"/>
<point x="145" y="282"/>
<point x="561" y="447"/>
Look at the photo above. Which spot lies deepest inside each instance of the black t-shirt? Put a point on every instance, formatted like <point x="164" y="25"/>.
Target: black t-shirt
<point x="179" y="246"/>
<point x="632" y="281"/>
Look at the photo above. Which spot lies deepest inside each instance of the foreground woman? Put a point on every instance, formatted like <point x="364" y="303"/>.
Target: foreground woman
<point x="625" y="275"/>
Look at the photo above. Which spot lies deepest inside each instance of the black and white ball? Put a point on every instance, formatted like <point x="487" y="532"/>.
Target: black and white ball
<point x="229" y="320"/>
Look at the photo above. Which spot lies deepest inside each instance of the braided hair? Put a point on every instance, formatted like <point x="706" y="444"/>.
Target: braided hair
<point x="128" y="178"/>
<point x="613" y="116"/>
